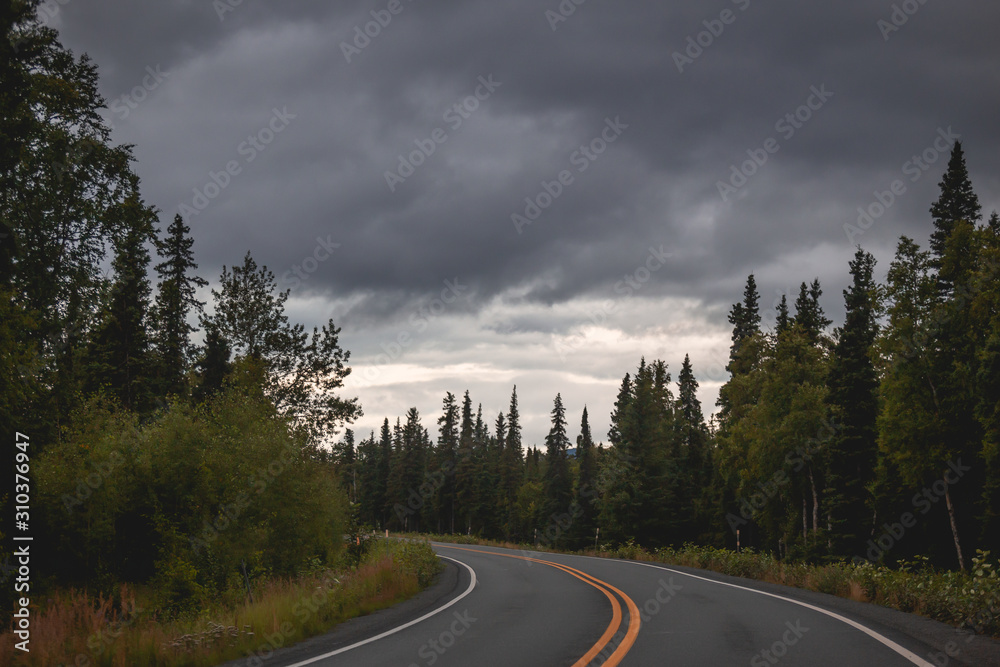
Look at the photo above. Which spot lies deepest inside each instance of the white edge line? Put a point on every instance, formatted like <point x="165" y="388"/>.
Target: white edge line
<point x="472" y="585"/>
<point x="906" y="653"/>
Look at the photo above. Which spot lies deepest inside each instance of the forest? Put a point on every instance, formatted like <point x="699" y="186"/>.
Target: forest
<point x="192" y="458"/>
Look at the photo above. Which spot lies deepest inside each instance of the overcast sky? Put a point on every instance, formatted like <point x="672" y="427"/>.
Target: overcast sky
<point x="400" y="170"/>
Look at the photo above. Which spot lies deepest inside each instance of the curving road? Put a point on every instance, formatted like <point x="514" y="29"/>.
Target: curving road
<point x="503" y="607"/>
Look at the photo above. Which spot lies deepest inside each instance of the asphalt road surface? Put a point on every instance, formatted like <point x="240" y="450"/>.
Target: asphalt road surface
<point x="518" y="608"/>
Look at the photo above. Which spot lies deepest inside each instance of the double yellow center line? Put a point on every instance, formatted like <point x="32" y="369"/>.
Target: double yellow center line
<point x="616" y="609"/>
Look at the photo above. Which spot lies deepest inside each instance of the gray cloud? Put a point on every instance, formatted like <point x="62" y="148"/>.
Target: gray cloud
<point x="323" y="176"/>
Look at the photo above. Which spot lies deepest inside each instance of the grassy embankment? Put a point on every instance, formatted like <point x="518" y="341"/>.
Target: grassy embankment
<point x="74" y="629"/>
<point x="967" y="600"/>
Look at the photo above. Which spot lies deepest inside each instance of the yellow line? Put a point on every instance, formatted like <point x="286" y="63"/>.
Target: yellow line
<point x="603" y="586"/>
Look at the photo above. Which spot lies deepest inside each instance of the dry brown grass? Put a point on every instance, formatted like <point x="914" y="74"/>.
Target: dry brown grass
<point x="74" y="629"/>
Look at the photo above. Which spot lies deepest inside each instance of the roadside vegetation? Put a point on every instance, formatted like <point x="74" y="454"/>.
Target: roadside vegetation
<point x="128" y="628"/>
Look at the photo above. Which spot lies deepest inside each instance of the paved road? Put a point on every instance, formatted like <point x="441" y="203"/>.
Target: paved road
<point x="504" y="607"/>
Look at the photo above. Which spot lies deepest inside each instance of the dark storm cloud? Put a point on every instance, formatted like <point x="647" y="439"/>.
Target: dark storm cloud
<point x="324" y="176"/>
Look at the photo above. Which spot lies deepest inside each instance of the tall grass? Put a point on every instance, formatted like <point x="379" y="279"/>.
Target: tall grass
<point x="75" y="629"/>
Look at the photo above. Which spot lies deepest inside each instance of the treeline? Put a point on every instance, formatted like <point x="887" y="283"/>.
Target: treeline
<point x="875" y="441"/>
<point x="650" y="485"/>
<point x="152" y="459"/>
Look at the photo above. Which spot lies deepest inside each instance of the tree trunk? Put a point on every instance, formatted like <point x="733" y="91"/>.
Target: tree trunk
<point x="812" y="484"/>
<point x="954" y="525"/>
<point x="805" y="520"/>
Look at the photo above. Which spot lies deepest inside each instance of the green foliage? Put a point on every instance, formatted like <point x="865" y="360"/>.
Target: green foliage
<point x="853" y="400"/>
<point x="183" y="500"/>
<point x="175" y="300"/>
<point x="302" y="373"/>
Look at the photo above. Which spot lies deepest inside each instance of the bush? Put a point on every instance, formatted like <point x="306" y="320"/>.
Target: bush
<point x="184" y="501"/>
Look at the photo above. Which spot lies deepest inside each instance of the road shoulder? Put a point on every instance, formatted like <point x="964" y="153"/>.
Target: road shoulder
<point x="446" y="585"/>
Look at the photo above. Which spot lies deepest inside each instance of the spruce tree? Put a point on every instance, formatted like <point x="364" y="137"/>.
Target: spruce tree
<point x="447" y="451"/>
<point x="695" y="451"/>
<point x="511" y="470"/>
<point x="213" y="365"/>
<point x="121" y="354"/>
<point x="175" y="300"/>
<point x="957" y="202"/>
<point x="584" y="505"/>
<point x="782" y="322"/>
<point x="853" y="399"/>
<point x="808" y="312"/>
<point x="381" y="498"/>
<point x="745" y="318"/>
<point x="345" y="456"/>
<point x="558" y="482"/>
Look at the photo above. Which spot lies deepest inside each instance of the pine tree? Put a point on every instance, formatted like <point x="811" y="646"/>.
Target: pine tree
<point x="447" y="461"/>
<point x="381" y="498"/>
<point x="957" y="202"/>
<point x="745" y="318"/>
<point x="344" y="455"/>
<point x="986" y="307"/>
<point x="369" y="511"/>
<point x="465" y="478"/>
<point x="213" y="364"/>
<point x="641" y="488"/>
<point x="695" y="441"/>
<point x="511" y="470"/>
<point x="558" y="482"/>
<point x="489" y="452"/>
<point x="782" y="321"/>
<point x="853" y="400"/>
<point x="809" y="314"/>
<point x="615" y="436"/>
<point x="121" y="354"/>
<point x="584" y="507"/>
<point x="175" y="300"/>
